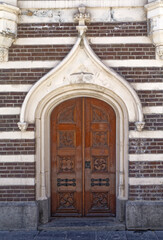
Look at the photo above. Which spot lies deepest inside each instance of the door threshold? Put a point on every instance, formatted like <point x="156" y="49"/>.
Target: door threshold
<point x="83" y="223"/>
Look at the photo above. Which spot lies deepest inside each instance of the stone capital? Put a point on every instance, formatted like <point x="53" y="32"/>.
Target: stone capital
<point x="22" y="126"/>
<point x="155" y="24"/>
<point x="139" y="126"/>
<point x="8" y="28"/>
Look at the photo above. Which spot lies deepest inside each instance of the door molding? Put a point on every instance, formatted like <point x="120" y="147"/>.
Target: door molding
<point x="43" y="187"/>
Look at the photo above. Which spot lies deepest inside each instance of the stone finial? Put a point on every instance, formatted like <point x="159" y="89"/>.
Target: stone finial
<point x="22" y="126"/>
<point x="139" y="126"/>
<point x="82" y="17"/>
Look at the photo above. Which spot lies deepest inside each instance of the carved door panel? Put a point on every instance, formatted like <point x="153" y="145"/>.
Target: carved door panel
<point x="83" y="158"/>
<point x="66" y="173"/>
<point x="100" y="155"/>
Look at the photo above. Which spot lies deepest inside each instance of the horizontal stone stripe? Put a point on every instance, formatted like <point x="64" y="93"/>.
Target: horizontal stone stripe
<point x="17" y="193"/>
<point x="17" y="158"/>
<point x="145" y="181"/>
<point x="17" y="135"/>
<point x="17" y="170"/>
<point x="146" y="169"/>
<point x="146" y="145"/>
<point x="146" y="157"/>
<point x="146" y="134"/>
<point x="9" y="111"/>
<point x="141" y="74"/>
<point x="71" y="40"/>
<point x="12" y="99"/>
<point x="146" y="192"/>
<point x="17" y="181"/>
<point x="75" y="4"/>
<point x="58" y="52"/>
<point x="9" y="123"/>
<point x="153" y="110"/>
<point x="15" y="87"/>
<point x="147" y="86"/>
<point x="51" y="64"/>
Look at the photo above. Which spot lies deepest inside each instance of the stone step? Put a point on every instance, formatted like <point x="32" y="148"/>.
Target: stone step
<point x="94" y="224"/>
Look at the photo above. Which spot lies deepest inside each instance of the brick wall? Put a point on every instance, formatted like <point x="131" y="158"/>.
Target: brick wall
<point x="94" y="29"/>
<point x="148" y="193"/>
<point x="153" y="122"/>
<point x="17" y="146"/>
<point x="17" y="193"/>
<point x="58" y="52"/>
<point x="145" y="145"/>
<point x="141" y="74"/>
<point x="12" y="99"/>
<point x="124" y="51"/>
<point x="9" y="123"/>
<point x="151" y="98"/>
<point x="17" y="170"/>
<point x="22" y="76"/>
<point x="146" y="169"/>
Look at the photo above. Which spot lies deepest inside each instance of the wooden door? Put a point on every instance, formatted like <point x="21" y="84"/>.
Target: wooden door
<point x="83" y="135"/>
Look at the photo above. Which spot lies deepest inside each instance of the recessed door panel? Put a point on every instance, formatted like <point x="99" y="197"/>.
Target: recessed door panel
<point x="83" y="158"/>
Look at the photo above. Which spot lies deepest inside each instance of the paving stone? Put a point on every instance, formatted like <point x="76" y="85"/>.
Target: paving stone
<point x="18" y="235"/>
<point x="141" y="235"/>
<point x="49" y="235"/>
<point x="80" y="235"/>
<point x="111" y="235"/>
<point x="159" y="235"/>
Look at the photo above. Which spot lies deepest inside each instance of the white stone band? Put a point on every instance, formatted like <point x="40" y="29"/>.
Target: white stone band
<point x="17" y="158"/>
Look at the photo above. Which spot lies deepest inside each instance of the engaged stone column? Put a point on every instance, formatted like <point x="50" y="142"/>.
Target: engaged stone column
<point x="155" y="18"/>
<point x="8" y="28"/>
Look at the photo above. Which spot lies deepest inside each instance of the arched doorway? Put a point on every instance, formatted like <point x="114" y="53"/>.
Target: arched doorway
<point x="83" y="158"/>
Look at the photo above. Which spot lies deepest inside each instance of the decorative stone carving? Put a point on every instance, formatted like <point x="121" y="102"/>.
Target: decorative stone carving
<point x="3" y="54"/>
<point x="159" y="50"/>
<point x="22" y="126"/>
<point x="139" y="126"/>
<point x="82" y="17"/>
<point x="8" y="28"/>
<point x="155" y="20"/>
<point x="81" y="77"/>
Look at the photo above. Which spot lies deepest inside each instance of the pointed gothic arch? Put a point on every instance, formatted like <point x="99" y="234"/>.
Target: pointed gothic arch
<point x="80" y="74"/>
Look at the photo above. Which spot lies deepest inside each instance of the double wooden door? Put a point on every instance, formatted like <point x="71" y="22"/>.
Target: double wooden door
<point x="83" y="136"/>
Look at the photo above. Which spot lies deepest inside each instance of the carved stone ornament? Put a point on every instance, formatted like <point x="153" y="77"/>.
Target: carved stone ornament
<point x="139" y="126"/>
<point x="3" y="54"/>
<point x="22" y="126"/>
<point x="159" y="50"/>
<point x="82" y="17"/>
<point x="81" y="77"/>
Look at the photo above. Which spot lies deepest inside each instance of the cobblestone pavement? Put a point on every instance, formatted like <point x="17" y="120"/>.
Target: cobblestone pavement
<point x="81" y="235"/>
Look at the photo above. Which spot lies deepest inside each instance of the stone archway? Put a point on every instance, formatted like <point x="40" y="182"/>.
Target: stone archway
<point x="80" y="74"/>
